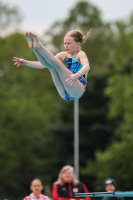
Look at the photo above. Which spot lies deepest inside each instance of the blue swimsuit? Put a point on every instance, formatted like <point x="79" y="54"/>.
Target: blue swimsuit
<point x="74" y="66"/>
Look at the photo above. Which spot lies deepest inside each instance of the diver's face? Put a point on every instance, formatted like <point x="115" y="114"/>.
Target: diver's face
<point x="70" y="45"/>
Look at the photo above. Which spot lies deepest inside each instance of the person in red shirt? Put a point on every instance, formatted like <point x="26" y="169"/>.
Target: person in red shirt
<point x="67" y="185"/>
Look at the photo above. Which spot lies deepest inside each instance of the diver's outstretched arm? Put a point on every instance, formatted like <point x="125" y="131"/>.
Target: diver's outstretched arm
<point x="33" y="64"/>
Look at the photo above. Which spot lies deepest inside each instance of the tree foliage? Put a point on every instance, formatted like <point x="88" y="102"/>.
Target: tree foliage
<point x="37" y="125"/>
<point x="115" y="161"/>
<point x="9" y="17"/>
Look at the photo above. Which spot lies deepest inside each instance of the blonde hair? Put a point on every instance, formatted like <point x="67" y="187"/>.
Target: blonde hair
<point x="78" y="35"/>
<point x="60" y="179"/>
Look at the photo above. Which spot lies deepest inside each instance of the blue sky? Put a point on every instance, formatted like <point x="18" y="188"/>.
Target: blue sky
<point x="40" y="14"/>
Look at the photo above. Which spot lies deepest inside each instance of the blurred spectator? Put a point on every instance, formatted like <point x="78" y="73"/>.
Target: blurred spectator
<point x="67" y="185"/>
<point x="110" y="186"/>
<point x="36" y="187"/>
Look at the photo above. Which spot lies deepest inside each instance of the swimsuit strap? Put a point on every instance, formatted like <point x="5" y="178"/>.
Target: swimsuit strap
<point x="76" y="57"/>
<point x="72" y="57"/>
<point x="65" y="56"/>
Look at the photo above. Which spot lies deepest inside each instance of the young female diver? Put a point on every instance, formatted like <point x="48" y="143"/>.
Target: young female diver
<point x="68" y="68"/>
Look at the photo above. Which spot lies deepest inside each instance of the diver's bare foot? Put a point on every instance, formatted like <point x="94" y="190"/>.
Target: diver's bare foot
<point x="36" y="42"/>
<point x="29" y="39"/>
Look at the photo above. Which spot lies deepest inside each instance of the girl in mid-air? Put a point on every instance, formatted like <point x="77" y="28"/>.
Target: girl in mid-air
<point x="68" y="68"/>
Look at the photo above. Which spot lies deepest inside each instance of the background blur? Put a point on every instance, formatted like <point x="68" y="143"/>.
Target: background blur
<point x="36" y="125"/>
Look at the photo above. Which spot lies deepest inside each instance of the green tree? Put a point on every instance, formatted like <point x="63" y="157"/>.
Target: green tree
<point x="82" y="16"/>
<point x="9" y="17"/>
<point x="116" y="160"/>
<point x="26" y="118"/>
<point x="95" y="128"/>
<point x="37" y="125"/>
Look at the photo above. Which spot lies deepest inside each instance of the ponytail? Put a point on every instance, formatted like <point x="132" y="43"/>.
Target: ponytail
<point x="86" y="36"/>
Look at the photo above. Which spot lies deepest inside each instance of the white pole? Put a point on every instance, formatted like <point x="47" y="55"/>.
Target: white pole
<point x="76" y="138"/>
